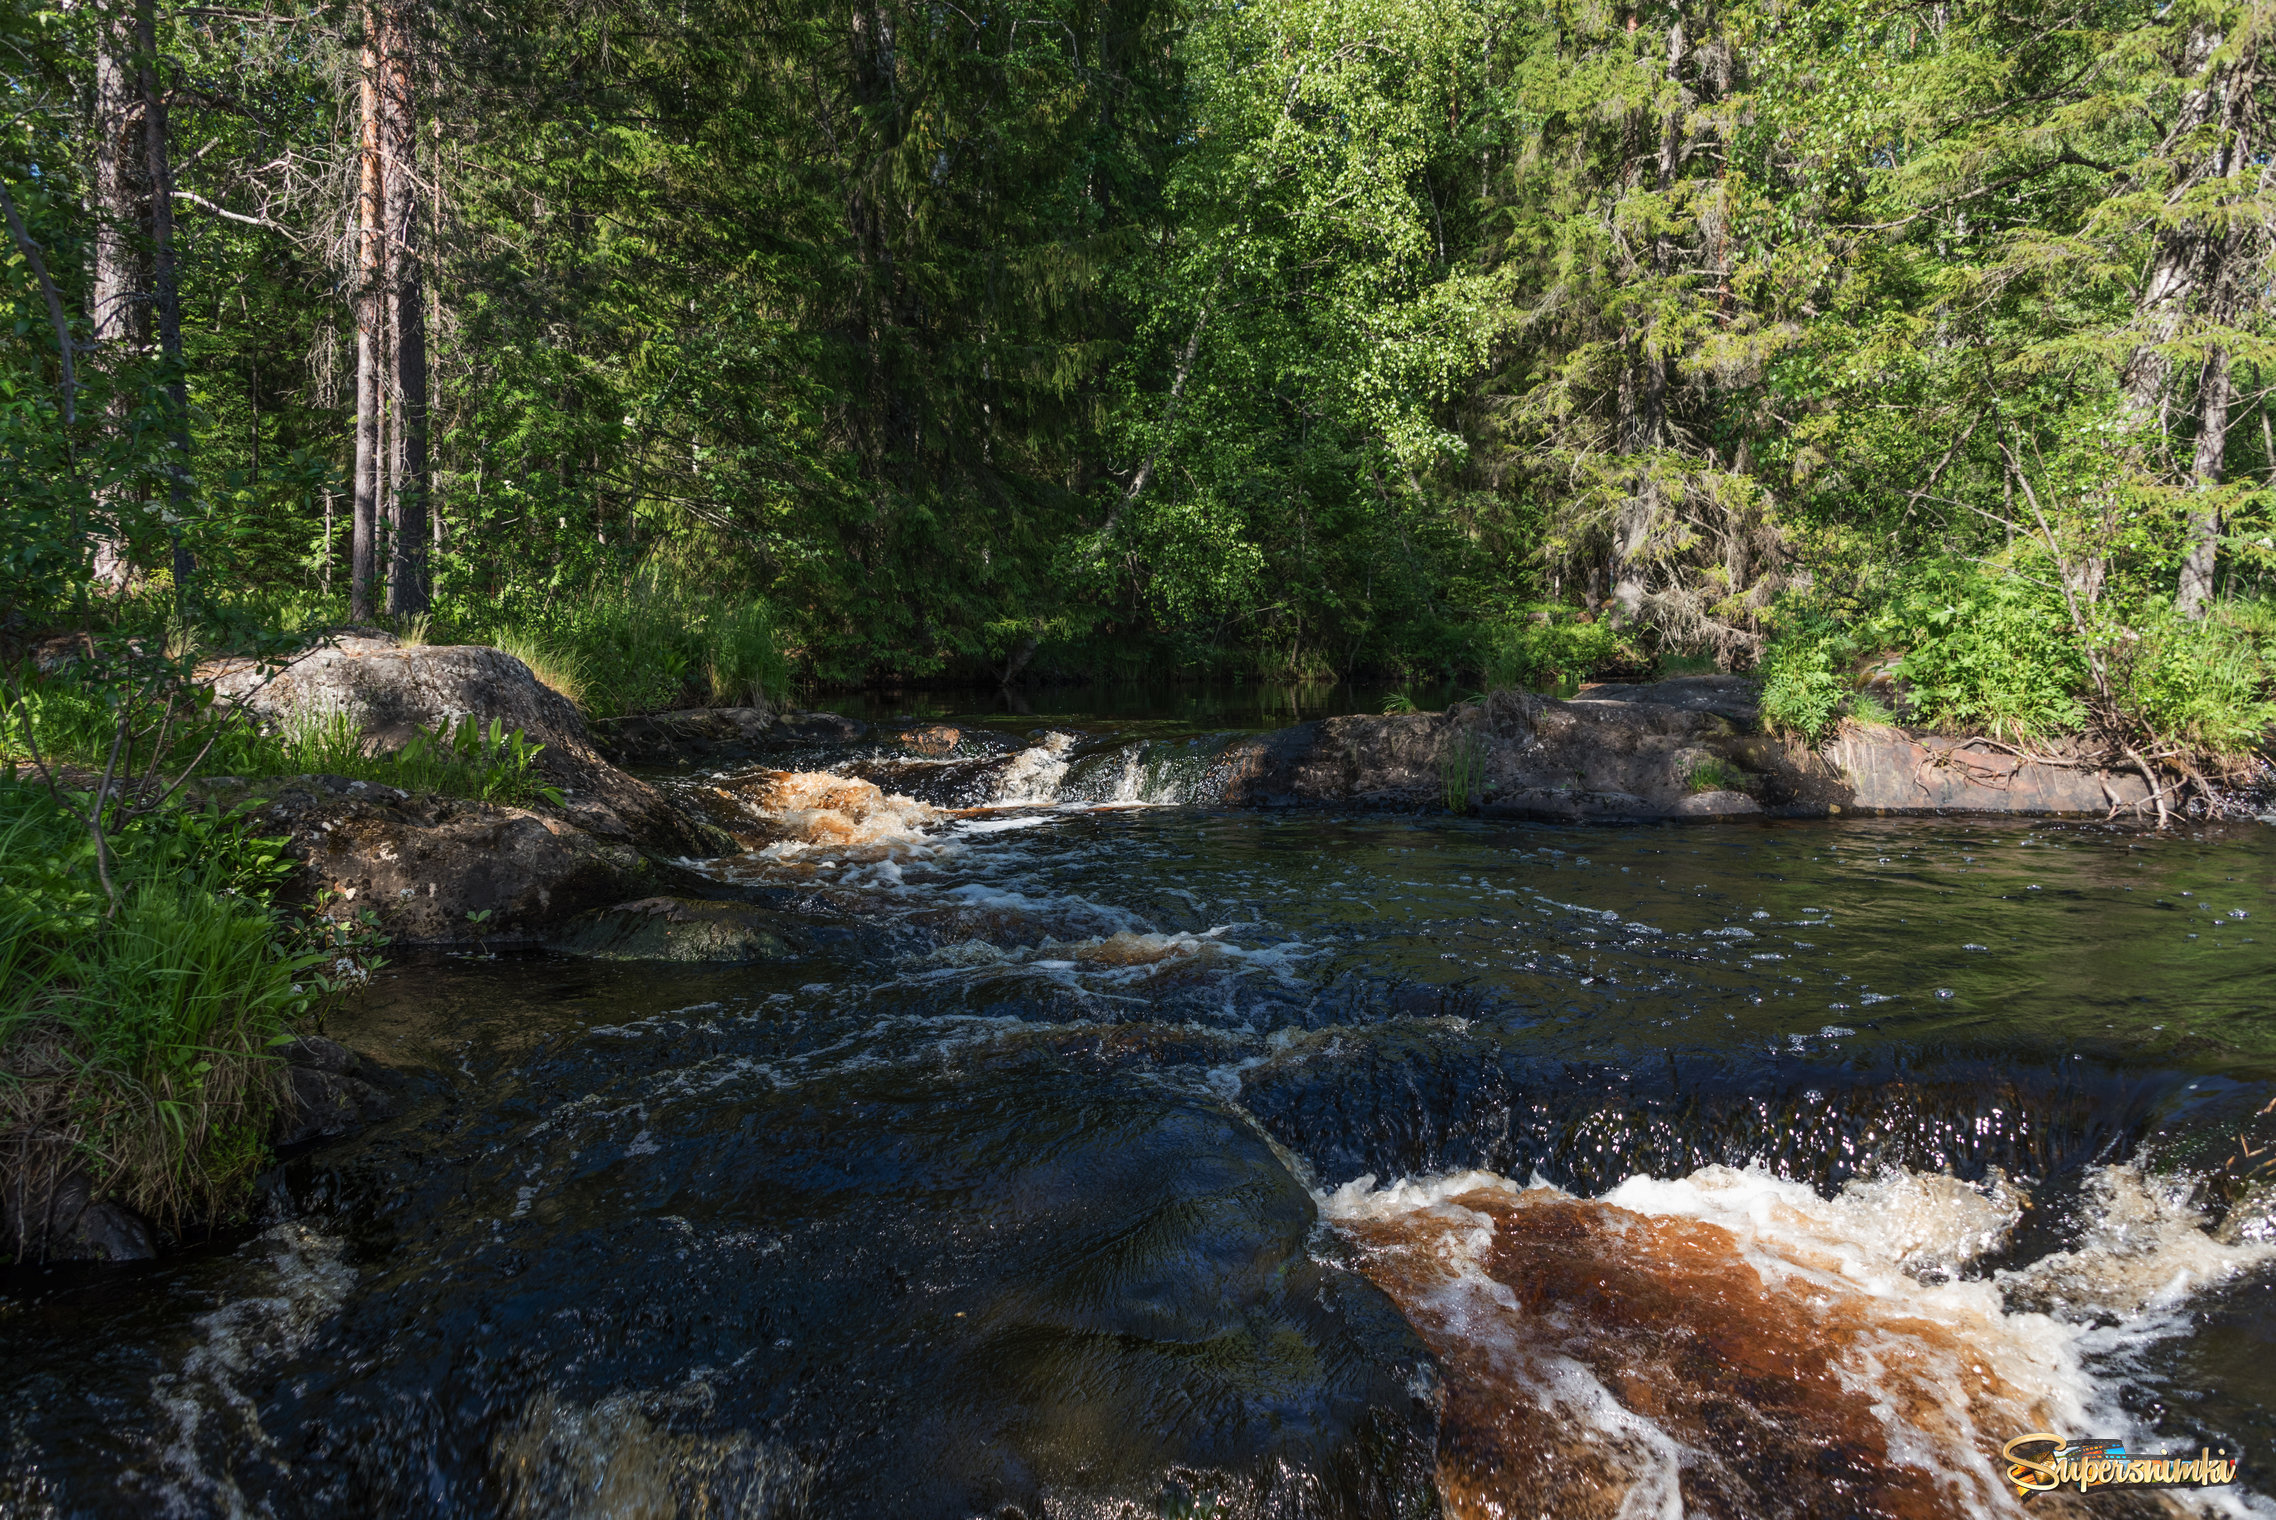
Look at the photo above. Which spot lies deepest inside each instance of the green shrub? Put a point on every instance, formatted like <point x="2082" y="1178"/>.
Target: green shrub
<point x="1985" y="652"/>
<point x="137" y="1039"/>
<point x="1805" y="685"/>
<point x="1547" y="649"/>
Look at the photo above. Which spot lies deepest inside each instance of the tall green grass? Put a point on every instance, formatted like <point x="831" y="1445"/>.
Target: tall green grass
<point x="648" y="643"/>
<point x="137" y="1039"/>
<point x="65" y="720"/>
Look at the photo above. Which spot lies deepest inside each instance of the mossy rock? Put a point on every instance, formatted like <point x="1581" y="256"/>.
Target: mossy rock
<point x="682" y="929"/>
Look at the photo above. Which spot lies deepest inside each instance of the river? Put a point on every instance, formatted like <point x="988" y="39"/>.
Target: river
<point x="1107" y="1153"/>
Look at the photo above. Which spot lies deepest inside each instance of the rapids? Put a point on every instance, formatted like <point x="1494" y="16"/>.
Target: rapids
<point x="1111" y="1153"/>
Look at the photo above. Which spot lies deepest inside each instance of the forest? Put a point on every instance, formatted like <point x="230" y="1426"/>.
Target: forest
<point x="1503" y="340"/>
<point x="1907" y="356"/>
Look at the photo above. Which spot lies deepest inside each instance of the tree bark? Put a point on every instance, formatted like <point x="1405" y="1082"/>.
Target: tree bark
<point x="121" y="316"/>
<point x="407" y="586"/>
<point x="363" y="553"/>
<point x="118" y="199"/>
<point x="2213" y="395"/>
<point x="165" y="289"/>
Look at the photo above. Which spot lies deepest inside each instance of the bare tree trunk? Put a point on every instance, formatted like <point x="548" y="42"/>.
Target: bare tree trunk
<point x="2213" y="396"/>
<point x="407" y="590"/>
<point x="2175" y="273"/>
<point x="117" y="180"/>
<point x="165" y="290"/>
<point x="363" y="555"/>
<point x="121" y="318"/>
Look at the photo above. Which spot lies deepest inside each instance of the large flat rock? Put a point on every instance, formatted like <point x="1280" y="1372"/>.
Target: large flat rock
<point x="1685" y="748"/>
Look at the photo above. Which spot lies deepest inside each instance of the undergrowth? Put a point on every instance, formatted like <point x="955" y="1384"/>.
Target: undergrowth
<point x="137" y="1037"/>
<point x="1968" y="649"/>
<point x="64" y="720"/>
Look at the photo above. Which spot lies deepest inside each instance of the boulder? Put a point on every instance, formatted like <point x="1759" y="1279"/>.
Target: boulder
<point x="328" y="1091"/>
<point x="62" y="1221"/>
<point x="687" y="930"/>
<point x="393" y="692"/>
<point x="422" y="863"/>
<point x="1514" y="754"/>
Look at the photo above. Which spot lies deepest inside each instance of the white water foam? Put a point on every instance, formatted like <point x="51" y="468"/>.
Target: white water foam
<point x="203" y="1403"/>
<point x="1949" y="1368"/>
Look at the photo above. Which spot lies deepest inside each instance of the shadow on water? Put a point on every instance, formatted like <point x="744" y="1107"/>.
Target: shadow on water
<point x="1057" y="1177"/>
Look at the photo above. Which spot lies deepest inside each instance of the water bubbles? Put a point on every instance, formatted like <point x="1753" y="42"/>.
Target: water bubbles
<point x="2238" y="913"/>
<point x="1758" y="913"/>
<point x="1946" y="993"/>
<point x="1833" y="1032"/>
<point x="1976" y="947"/>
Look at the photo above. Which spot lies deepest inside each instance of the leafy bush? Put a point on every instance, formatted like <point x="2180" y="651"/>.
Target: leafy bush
<point x="1805" y="686"/>
<point x="138" y="1039"/>
<point x="1985" y="652"/>
<point x="2200" y="682"/>
<point x="1548" y="649"/>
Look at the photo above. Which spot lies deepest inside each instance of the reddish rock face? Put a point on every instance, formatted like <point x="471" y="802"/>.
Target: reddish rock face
<point x="1894" y="771"/>
<point x="1690" y="748"/>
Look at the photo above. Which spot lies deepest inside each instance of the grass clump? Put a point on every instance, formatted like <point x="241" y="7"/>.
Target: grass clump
<point x="64" y="720"/>
<point x="1715" y="774"/>
<point x="650" y="643"/>
<point x="138" y="1034"/>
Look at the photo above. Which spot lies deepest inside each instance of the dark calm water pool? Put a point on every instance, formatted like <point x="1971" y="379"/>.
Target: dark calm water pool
<point x="1109" y="1154"/>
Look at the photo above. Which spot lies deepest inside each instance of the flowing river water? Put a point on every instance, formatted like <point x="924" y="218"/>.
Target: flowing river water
<point x="1104" y="1152"/>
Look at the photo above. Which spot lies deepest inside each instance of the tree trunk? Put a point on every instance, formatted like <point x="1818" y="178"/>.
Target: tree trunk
<point x="2205" y="521"/>
<point x="118" y="183"/>
<point x="165" y="289"/>
<point x="120" y="315"/>
<point x="363" y="553"/>
<point x="407" y="591"/>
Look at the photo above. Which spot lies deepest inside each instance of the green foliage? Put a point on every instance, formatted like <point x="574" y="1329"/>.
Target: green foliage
<point x="2203" y="683"/>
<point x="1805" y="687"/>
<point x="649" y="642"/>
<point x="1461" y="768"/>
<point x="1715" y="774"/>
<point x="141" y="1038"/>
<point x="1985" y="652"/>
<point x="63" y="720"/>
<point x="1549" y="649"/>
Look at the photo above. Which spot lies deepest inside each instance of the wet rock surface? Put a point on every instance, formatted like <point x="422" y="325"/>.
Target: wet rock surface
<point x="680" y="929"/>
<point x="328" y="1091"/>
<point x="61" y="1218"/>
<point x="719" y="735"/>
<point x="1685" y="748"/>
